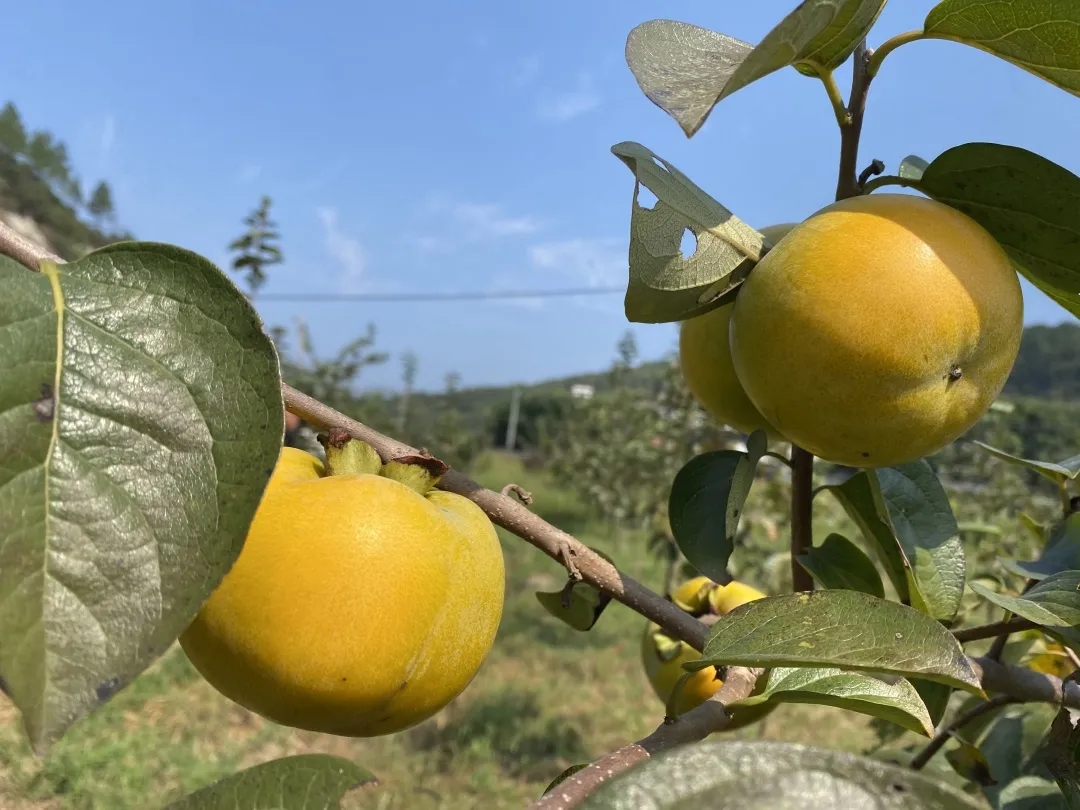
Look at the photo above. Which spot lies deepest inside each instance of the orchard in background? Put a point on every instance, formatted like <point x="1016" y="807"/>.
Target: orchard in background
<point x="143" y="416"/>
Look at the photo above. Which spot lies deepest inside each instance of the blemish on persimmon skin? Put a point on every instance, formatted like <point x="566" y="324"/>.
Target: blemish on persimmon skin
<point x="955" y="374"/>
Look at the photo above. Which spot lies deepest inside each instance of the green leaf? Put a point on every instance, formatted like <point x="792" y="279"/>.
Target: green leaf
<point x="970" y="763"/>
<point x="578" y="604"/>
<point x="140" y="419"/>
<point x="301" y="782"/>
<point x="818" y="35"/>
<point x="1031" y="793"/>
<point x="1053" y="604"/>
<point x="935" y="696"/>
<point x="1062" y="552"/>
<point x="706" y="501"/>
<point x="844" y="629"/>
<point x="1011" y="744"/>
<point x="1058" y="472"/>
<point x="1061" y="754"/>
<point x="861" y="501"/>
<point x="682" y="68"/>
<point x="664" y="285"/>
<point x="923" y="523"/>
<point x="1070" y="302"/>
<point x="1040" y="36"/>
<point x="753" y="775"/>
<point x="912" y="167"/>
<point x="1027" y="203"/>
<point x="839" y="563"/>
<point x="897" y="702"/>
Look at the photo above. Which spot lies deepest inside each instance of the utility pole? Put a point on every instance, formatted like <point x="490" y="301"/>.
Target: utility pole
<point x="512" y="422"/>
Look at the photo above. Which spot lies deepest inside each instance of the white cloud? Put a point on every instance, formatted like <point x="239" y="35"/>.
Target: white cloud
<point x="345" y="249"/>
<point x="592" y="262"/>
<point x="566" y="106"/>
<point x="250" y="173"/>
<point x="488" y="221"/>
<point x="108" y="136"/>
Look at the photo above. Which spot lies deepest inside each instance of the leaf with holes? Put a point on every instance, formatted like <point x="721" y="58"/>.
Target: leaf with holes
<point x="839" y="563"/>
<point x="923" y="523"/>
<point x="818" y="35"/>
<point x="666" y="286"/>
<point x="1027" y="203"/>
<point x="1040" y="36"/>
<point x="706" y="501"/>
<point x="1058" y="472"/>
<point x="843" y="629"/>
<point x="682" y="68"/>
<point x="1053" y="604"/>
<point x="301" y="782"/>
<point x="741" y="774"/>
<point x="141" y="419"/>
<point x="897" y="702"/>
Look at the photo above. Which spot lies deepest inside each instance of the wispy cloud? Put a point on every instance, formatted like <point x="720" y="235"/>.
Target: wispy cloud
<point x="468" y="222"/>
<point x="484" y="221"/>
<point x="346" y="251"/>
<point x="585" y="262"/>
<point x="571" y="104"/>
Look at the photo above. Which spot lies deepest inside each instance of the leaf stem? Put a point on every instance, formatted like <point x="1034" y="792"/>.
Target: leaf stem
<point x="843" y="116"/>
<point x="887" y="180"/>
<point x="888" y="46"/>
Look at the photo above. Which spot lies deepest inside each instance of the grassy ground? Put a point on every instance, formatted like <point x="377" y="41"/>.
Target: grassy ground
<point x="546" y="698"/>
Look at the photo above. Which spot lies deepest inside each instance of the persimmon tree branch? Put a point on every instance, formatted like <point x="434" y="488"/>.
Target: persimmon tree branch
<point x="693" y="726"/>
<point x="1000" y="629"/>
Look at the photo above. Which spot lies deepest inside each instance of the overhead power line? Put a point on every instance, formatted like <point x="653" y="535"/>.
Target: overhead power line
<point x="435" y="296"/>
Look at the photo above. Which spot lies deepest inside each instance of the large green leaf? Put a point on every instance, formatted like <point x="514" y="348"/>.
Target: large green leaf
<point x="1011" y="743"/>
<point x="1041" y="36"/>
<point x="579" y="604"/>
<point x="1058" y="472"/>
<point x="1053" y="604"/>
<point x="1028" y="203"/>
<point x="706" y="501"/>
<point x="140" y="419"/>
<point x="818" y="35"/>
<point x="935" y="696"/>
<point x="897" y="702"/>
<point x="664" y="285"/>
<point x="682" y="68"/>
<point x="1031" y="793"/>
<point x="839" y="563"/>
<point x="766" y="775"/>
<point x="301" y="782"/>
<point x="844" y="629"/>
<point x="923" y="523"/>
<point x="860" y="499"/>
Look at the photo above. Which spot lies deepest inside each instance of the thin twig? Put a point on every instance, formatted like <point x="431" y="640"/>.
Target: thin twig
<point x="1003" y="628"/>
<point x="523" y="494"/>
<point x="695" y="725"/>
<point x="947" y="731"/>
<point x="847" y="184"/>
<point x="802" y="509"/>
<point x="876" y="167"/>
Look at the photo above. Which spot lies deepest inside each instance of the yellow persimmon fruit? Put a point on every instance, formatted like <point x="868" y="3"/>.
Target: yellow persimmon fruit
<point x="878" y="330"/>
<point x="663" y="658"/>
<point x="693" y="595"/>
<point x="363" y="600"/>
<point x="705" y="359"/>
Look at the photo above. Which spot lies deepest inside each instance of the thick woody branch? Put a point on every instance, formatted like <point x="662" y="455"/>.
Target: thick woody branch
<point x="695" y="725"/>
<point x="996" y="630"/>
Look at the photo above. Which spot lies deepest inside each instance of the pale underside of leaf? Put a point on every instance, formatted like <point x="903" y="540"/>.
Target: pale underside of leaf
<point x="1040" y="36"/>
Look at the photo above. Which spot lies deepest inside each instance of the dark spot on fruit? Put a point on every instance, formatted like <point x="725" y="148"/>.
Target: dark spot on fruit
<point x="899" y="787"/>
<point x="45" y="408"/>
<point x="955" y="373"/>
<point x="865" y="454"/>
<point x="344" y="679"/>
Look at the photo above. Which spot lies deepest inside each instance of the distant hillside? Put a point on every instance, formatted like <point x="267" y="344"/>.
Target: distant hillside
<point x="42" y="197"/>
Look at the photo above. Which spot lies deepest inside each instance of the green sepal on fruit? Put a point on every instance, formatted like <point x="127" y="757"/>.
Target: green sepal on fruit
<point x="363" y="600"/>
<point x="663" y="656"/>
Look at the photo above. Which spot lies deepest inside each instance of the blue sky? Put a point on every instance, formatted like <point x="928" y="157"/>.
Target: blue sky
<point x="436" y="146"/>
